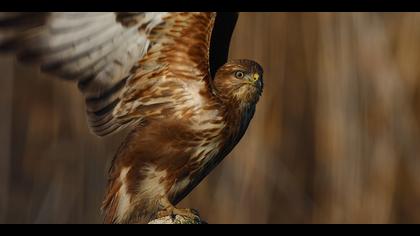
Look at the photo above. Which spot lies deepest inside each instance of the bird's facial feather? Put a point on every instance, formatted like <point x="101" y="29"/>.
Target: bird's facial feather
<point x="239" y="81"/>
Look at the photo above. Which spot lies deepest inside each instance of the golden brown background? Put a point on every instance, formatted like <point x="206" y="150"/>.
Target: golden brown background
<point x="335" y="138"/>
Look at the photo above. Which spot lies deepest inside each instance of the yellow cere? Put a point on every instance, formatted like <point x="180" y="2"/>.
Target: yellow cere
<point x="256" y="77"/>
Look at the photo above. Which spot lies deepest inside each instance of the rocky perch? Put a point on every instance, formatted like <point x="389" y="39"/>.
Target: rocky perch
<point x="177" y="219"/>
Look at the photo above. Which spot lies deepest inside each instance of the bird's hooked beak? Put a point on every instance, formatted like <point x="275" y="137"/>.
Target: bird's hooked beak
<point x="255" y="80"/>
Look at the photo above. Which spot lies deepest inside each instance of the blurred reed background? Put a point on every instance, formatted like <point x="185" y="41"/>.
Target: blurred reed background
<point x="335" y="138"/>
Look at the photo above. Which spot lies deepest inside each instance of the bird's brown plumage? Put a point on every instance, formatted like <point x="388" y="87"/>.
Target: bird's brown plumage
<point x="167" y="158"/>
<point x="184" y="122"/>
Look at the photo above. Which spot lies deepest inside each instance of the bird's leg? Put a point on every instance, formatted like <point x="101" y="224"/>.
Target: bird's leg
<point x="170" y="210"/>
<point x="167" y="209"/>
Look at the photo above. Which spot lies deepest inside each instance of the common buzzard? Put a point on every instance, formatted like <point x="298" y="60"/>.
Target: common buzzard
<point x="165" y="76"/>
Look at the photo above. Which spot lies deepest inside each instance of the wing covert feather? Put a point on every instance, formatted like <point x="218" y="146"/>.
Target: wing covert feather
<point x="169" y="79"/>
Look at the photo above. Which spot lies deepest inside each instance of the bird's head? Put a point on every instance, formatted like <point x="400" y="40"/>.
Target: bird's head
<point x="240" y="81"/>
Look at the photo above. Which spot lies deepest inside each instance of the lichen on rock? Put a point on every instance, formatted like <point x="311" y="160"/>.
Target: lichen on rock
<point x="177" y="219"/>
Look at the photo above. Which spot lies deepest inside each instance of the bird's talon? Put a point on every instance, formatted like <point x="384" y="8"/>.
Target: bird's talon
<point x="188" y="213"/>
<point x="164" y="213"/>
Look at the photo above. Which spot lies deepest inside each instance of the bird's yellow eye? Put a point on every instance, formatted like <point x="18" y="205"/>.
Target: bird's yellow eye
<point x="256" y="77"/>
<point x="239" y="74"/>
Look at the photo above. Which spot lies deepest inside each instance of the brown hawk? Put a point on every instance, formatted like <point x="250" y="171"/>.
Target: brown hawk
<point x="163" y="75"/>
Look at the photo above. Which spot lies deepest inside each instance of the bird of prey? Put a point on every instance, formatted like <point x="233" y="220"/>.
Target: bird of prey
<point x="165" y="76"/>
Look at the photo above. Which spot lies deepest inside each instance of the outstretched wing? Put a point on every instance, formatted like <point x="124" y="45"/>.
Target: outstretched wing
<point x="169" y="79"/>
<point x="129" y="66"/>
